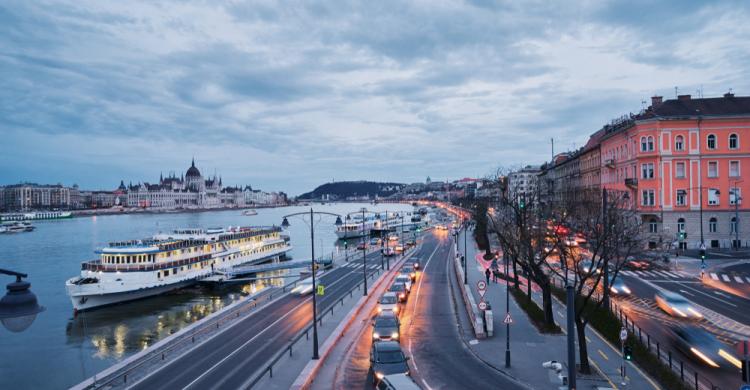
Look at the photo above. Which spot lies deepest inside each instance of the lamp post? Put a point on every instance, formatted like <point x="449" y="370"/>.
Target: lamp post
<point x="19" y="306"/>
<point x="285" y="224"/>
<point x="737" y="198"/>
<point x="466" y="232"/>
<point x="507" y="311"/>
<point x="364" y="251"/>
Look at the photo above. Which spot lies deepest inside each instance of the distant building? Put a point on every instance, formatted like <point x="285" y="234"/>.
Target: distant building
<point x="524" y="181"/>
<point x="31" y="196"/>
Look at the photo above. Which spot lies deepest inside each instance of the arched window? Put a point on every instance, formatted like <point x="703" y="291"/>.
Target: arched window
<point x="712" y="225"/>
<point x="733" y="225"/>
<point x="644" y="145"/>
<point x="734" y="141"/>
<point x="711" y="141"/>
<point x="650" y="143"/>
<point x="679" y="143"/>
<point x="681" y="225"/>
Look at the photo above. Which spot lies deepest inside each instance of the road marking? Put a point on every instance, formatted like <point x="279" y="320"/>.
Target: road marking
<point x="687" y="292"/>
<point x="708" y="295"/>
<point x="714" y="276"/>
<point x="604" y="355"/>
<point x="738" y="279"/>
<point x="474" y="342"/>
<point x="671" y="274"/>
<point x="748" y="279"/>
<point x="725" y="277"/>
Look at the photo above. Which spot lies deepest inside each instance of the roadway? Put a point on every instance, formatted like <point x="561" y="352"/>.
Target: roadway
<point x="430" y="335"/>
<point x="641" y="308"/>
<point x="232" y="357"/>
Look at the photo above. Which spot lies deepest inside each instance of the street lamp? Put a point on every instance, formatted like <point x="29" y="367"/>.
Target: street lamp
<point x="507" y="311"/>
<point x="285" y="224"/>
<point x="19" y="306"/>
<point x="364" y="251"/>
<point x="734" y="191"/>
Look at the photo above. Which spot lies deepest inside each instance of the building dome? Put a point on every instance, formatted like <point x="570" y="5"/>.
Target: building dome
<point x="193" y="171"/>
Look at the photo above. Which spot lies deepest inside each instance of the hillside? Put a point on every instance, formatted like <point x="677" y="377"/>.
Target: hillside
<point x="344" y="190"/>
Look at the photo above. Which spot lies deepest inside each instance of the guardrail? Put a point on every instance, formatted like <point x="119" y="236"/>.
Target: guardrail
<point x="306" y="332"/>
<point x="664" y="354"/>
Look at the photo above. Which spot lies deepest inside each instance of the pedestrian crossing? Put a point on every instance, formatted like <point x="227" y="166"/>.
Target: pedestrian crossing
<point x="654" y="274"/>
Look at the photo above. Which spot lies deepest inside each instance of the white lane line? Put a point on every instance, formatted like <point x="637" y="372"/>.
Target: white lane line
<point x="647" y="273"/>
<point x="748" y="279"/>
<point x="687" y="292"/>
<point x="725" y="277"/>
<point x="628" y="273"/>
<point x="672" y="274"/>
<point x="708" y="295"/>
<point x="714" y="276"/>
<point x="738" y="279"/>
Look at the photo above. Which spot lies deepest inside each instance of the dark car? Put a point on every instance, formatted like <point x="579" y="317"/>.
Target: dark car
<point x="386" y="358"/>
<point x="362" y="245"/>
<point x="702" y="346"/>
<point x="400" y="290"/>
<point x="409" y="270"/>
<point x="386" y="326"/>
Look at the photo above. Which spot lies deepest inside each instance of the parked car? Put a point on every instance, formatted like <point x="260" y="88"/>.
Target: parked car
<point x="410" y="243"/>
<point x="415" y="262"/>
<point x="397" y="382"/>
<point x="676" y="305"/>
<point x="633" y="264"/>
<point x="400" y="290"/>
<point x="387" y="358"/>
<point x="386" y="326"/>
<point x="375" y="241"/>
<point x="389" y="302"/>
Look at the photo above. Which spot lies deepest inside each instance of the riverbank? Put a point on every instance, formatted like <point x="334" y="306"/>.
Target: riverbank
<point x="139" y="210"/>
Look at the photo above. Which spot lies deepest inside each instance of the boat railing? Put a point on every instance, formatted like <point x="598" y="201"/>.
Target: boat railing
<point x="96" y="265"/>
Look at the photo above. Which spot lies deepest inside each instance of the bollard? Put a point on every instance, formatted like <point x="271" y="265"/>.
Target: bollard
<point x="125" y="378"/>
<point x="193" y="338"/>
<point x="307" y="334"/>
<point x="640" y="335"/>
<point x="270" y="371"/>
<point x="658" y="352"/>
<point x="648" y="338"/>
<point x="290" y="350"/>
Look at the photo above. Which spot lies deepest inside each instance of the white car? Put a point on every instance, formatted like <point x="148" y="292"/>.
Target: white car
<point x="303" y="287"/>
<point x="389" y="302"/>
<point x="405" y="279"/>
<point x="676" y="305"/>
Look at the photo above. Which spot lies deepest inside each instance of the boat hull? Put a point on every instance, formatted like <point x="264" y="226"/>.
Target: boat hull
<point x="88" y="302"/>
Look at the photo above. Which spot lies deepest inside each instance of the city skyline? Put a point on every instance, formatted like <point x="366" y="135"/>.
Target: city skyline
<point x="286" y="97"/>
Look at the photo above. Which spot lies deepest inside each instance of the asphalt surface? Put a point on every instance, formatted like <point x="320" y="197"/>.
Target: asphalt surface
<point x="430" y="335"/>
<point x="641" y="308"/>
<point x="231" y="358"/>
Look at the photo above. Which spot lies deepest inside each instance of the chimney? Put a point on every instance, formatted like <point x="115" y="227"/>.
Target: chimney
<point x="656" y="101"/>
<point x="683" y="98"/>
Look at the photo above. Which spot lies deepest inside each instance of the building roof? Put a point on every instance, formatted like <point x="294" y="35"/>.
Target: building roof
<point x="193" y="171"/>
<point x="685" y="105"/>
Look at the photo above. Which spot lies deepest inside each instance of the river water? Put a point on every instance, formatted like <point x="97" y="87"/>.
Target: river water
<point x="60" y="350"/>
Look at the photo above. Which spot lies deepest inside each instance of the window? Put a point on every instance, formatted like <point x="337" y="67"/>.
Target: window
<point x="681" y="225"/>
<point x="650" y="143"/>
<point x="653" y="227"/>
<point x="733" y="225"/>
<point x="647" y="171"/>
<point x="713" y="169"/>
<point x="679" y="170"/>
<point x="648" y="198"/>
<point x="734" y="168"/>
<point x="734" y="141"/>
<point x="679" y="143"/>
<point x="711" y="141"/>
<point x="713" y="196"/>
<point x="712" y="225"/>
<point x="735" y="195"/>
<point x="681" y="197"/>
<point x="644" y="144"/>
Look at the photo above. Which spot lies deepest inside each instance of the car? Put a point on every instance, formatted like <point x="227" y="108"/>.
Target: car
<point x="406" y="280"/>
<point x="586" y="267"/>
<point x="618" y="287"/>
<point x="411" y="243"/>
<point x="397" y="382"/>
<point x="303" y="287"/>
<point x="375" y="241"/>
<point x="362" y="245"/>
<point x="676" y="305"/>
<point x="701" y="345"/>
<point x="399" y="248"/>
<point x="386" y="326"/>
<point x="387" y="358"/>
<point x="389" y="302"/>
<point x="400" y="290"/>
<point x="389" y="252"/>
<point x="409" y="270"/>
<point x="393" y="238"/>
<point x="415" y="262"/>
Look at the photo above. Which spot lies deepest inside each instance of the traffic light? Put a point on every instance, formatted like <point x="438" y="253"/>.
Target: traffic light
<point x="628" y="352"/>
<point x="703" y="254"/>
<point x="683" y="235"/>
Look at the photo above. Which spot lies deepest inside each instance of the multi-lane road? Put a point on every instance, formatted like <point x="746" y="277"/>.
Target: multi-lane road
<point x="429" y="334"/>
<point x="232" y="357"/>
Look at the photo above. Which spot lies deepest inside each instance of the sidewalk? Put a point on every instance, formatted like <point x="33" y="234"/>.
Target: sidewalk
<point x="529" y="349"/>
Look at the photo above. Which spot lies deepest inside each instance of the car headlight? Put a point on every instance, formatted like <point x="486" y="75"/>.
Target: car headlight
<point x="395" y="309"/>
<point x="380" y="309"/>
<point x="695" y="312"/>
<point x="627" y="290"/>
<point x="614" y="290"/>
<point x="731" y="359"/>
<point x="403" y="295"/>
<point x="704" y="357"/>
<point x="394" y="335"/>
<point x="376" y="335"/>
<point x="379" y="375"/>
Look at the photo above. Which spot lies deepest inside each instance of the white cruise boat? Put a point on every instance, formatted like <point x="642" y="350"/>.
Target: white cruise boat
<point x="132" y="270"/>
<point x="354" y="227"/>
<point x="35" y="215"/>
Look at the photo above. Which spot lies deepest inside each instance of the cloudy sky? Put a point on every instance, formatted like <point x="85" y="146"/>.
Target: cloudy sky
<point x="288" y="95"/>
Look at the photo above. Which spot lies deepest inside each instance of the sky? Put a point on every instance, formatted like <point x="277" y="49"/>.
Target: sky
<point x="289" y="95"/>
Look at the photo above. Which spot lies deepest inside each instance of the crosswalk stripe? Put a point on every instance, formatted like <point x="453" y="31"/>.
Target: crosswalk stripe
<point x="725" y="277"/>
<point x="628" y="273"/>
<point x="714" y="277"/>
<point x="738" y="279"/>
<point x="671" y="274"/>
<point x="748" y="279"/>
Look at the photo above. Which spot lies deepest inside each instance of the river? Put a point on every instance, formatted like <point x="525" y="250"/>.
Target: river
<point x="60" y="350"/>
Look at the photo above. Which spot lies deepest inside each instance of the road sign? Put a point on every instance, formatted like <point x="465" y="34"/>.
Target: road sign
<point x="703" y="247"/>
<point x="623" y="334"/>
<point x="508" y="319"/>
<point x="482" y="288"/>
<point x="482" y="305"/>
<point x="703" y="265"/>
<point x="321" y="289"/>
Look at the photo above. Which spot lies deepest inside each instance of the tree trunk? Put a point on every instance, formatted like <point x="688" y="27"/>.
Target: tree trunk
<point x="515" y="273"/>
<point x="583" y="352"/>
<point x="549" y="318"/>
<point x="528" y="285"/>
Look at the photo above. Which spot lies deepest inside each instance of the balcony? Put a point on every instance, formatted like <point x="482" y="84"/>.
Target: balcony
<point x="610" y="163"/>
<point x="631" y="182"/>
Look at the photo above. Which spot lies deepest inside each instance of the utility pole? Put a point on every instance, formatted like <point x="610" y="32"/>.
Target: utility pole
<point x="606" y="231"/>
<point x="364" y="254"/>
<point x="507" y="311"/>
<point x="571" y="337"/>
